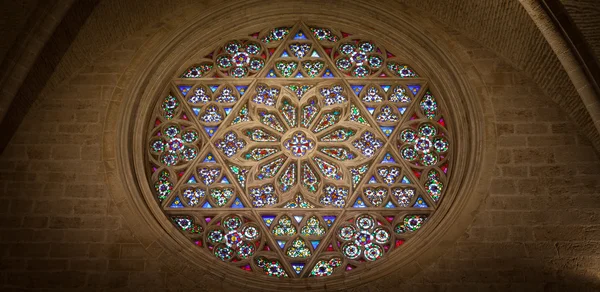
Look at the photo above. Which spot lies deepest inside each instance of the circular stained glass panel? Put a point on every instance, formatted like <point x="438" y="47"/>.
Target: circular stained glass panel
<point x="299" y="152"/>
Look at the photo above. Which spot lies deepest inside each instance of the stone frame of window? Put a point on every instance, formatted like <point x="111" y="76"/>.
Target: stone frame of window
<point x="154" y="68"/>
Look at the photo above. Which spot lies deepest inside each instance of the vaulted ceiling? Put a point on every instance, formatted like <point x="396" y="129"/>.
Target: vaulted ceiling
<point x="49" y="41"/>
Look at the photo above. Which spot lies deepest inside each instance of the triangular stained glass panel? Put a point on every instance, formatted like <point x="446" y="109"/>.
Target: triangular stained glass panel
<point x="281" y="243"/>
<point x="237" y="204"/>
<point x="420" y="203"/>
<point x="184" y="89"/>
<point x="225" y="180"/>
<point x="387" y="158"/>
<point x="330" y="247"/>
<point x="196" y="110"/>
<point x="315" y="243"/>
<point x="300" y="35"/>
<point x="191" y="180"/>
<point x="387" y="130"/>
<point x="372" y="180"/>
<point x="209" y="158"/>
<point x="390" y="205"/>
<point x="414" y="88"/>
<point x="298" y="267"/>
<point x="405" y="180"/>
<point x="176" y="203"/>
<point x="359" y="203"/>
<point x="268" y="219"/>
<point x="357" y="89"/>
<point x="241" y="89"/>
<point x="315" y="54"/>
<point x="210" y="130"/>
<point x="298" y="218"/>
<point x="329" y="220"/>
<point x="207" y="205"/>
<point x="271" y="74"/>
<point x="328" y="74"/>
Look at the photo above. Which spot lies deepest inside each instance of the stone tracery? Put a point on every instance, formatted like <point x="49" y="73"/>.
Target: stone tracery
<point x="323" y="121"/>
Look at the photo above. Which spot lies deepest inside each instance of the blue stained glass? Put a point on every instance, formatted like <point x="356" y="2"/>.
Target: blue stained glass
<point x="359" y="204"/>
<point x="388" y="158"/>
<point x="207" y="206"/>
<point x="196" y="110"/>
<point x="176" y="203"/>
<point x="241" y="89"/>
<point x="401" y="110"/>
<point x="372" y="180"/>
<point x="210" y="130"/>
<point x="329" y="220"/>
<point x="209" y="158"/>
<point x="371" y="110"/>
<point x="315" y="54"/>
<point x="390" y="205"/>
<point x="213" y="88"/>
<point x="281" y="243"/>
<point x="420" y="203"/>
<point x="237" y="204"/>
<point x="268" y="219"/>
<point x="315" y="243"/>
<point x="298" y="267"/>
<point x="271" y="74"/>
<point x="405" y="180"/>
<point x="184" y="89"/>
<point x="227" y="110"/>
<point x="328" y="74"/>
<point x="224" y="180"/>
<point x="192" y="180"/>
<point x="357" y="88"/>
<point x="387" y="130"/>
<point x="284" y="54"/>
<point x="414" y="88"/>
<point x="385" y="87"/>
<point x="300" y="35"/>
<point x="299" y="75"/>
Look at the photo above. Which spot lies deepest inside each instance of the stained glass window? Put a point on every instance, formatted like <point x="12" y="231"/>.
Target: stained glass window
<point x="299" y="151"/>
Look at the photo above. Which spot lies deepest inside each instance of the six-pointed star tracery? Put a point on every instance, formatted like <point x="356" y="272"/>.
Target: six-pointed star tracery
<point x="299" y="151"/>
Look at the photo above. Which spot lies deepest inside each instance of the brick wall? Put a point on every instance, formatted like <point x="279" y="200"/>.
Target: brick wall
<point x="538" y="229"/>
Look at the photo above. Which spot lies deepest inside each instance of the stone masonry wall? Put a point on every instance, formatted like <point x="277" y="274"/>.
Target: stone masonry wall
<point x="538" y="230"/>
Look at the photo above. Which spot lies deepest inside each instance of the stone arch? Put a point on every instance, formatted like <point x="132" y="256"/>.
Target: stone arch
<point x="144" y="76"/>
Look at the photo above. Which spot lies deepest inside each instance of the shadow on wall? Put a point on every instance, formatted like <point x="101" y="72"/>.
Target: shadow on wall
<point x="498" y="274"/>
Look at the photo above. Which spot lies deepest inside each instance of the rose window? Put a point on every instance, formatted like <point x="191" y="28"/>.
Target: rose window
<point x="299" y="151"/>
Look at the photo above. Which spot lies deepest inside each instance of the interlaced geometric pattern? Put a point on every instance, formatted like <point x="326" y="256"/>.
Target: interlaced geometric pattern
<point x="299" y="151"/>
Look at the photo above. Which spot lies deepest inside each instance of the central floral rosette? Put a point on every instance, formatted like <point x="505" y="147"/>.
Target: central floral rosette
<point x="299" y="145"/>
<point x="296" y="142"/>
